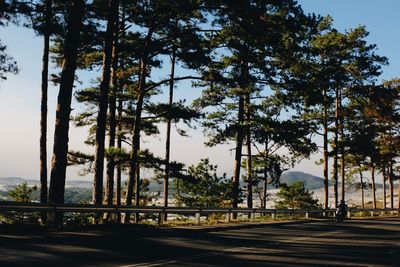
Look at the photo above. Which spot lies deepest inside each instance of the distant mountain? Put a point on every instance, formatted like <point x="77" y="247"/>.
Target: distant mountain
<point x="11" y="182"/>
<point x="314" y="182"/>
<point x="311" y="182"/>
<point x="76" y="191"/>
<point x="78" y="184"/>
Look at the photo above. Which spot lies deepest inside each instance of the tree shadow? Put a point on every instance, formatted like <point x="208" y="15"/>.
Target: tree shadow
<point x="283" y="244"/>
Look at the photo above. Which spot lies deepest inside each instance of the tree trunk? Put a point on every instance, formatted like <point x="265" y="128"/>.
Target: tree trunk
<point x="239" y="140"/>
<point x="60" y="148"/>
<point x="133" y="182"/>
<point x="373" y="186"/>
<point x="119" y="127"/>
<point x="137" y="178"/>
<point x="119" y="166"/>
<point x="103" y="104"/>
<point x="384" y="187"/>
<point x="135" y="149"/>
<point x="336" y="148"/>
<point x="362" y="190"/>
<point x="342" y="164"/>
<point x="136" y="126"/>
<point x="43" y="105"/>
<point x="391" y="185"/>
<point x="137" y="189"/>
<point x="111" y="145"/>
<point x="112" y="119"/>
<point x="249" y="157"/>
<point x="168" y="139"/>
<point x="398" y="196"/>
<point x="325" y="125"/>
<point x="238" y="154"/>
<point x="265" y="176"/>
<point x="264" y="204"/>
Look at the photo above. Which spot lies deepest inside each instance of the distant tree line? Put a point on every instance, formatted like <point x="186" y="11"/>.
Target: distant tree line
<point x="273" y="79"/>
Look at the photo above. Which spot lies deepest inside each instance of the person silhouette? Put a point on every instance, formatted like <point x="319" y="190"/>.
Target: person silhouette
<point x="341" y="211"/>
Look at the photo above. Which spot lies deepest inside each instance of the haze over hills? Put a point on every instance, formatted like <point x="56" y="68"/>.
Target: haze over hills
<point x="6" y="182"/>
<point x="80" y="191"/>
<point x="76" y="191"/>
<point x="312" y="182"/>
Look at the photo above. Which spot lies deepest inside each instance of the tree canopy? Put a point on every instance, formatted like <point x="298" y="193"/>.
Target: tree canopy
<point x="295" y="196"/>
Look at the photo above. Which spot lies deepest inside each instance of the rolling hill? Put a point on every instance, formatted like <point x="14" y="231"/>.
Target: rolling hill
<point x="311" y="182"/>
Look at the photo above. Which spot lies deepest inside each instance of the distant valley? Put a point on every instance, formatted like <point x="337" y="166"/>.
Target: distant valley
<point x="76" y="191"/>
<point x="80" y="191"/>
<point x="312" y="182"/>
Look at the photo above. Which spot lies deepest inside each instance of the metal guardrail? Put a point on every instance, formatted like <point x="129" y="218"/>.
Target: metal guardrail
<point x="38" y="207"/>
<point x="7" y="206"/>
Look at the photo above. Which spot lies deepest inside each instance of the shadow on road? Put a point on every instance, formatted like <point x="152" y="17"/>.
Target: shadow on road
<point x="321" y="243"/>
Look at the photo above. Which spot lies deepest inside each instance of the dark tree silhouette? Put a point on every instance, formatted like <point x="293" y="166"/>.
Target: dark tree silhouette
<point x="60" y="149"/>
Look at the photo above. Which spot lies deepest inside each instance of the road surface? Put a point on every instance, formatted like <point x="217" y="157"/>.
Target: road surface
<point x="366" y="242"/>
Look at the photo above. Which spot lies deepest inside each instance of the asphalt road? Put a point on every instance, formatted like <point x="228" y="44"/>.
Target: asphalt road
<point x="369" y="242"/>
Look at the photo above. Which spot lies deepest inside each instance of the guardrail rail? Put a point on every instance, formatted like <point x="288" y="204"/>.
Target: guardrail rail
<point x="28" y="207"/>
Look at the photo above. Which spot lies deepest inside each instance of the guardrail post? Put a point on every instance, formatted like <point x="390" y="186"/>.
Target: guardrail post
<point x="307" y="214"/>
<point x="165" y="215"/>
<point x="252" y="216"/>
<point x="198" y="218"/>
<point x="348" y="214"/>
<point x="160" y="218"/>
<point x="273" y="215"/>
<point x="228" y="217"/>
<point x="51" y="218"/>
<point x="323" y="214"/>
<point x="371" y="213"/>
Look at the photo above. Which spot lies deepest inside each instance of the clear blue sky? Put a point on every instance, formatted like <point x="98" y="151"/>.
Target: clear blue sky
<point x="20" y="95"/>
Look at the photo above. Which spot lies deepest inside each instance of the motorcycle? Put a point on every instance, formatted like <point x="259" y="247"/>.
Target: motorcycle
<point x="340" y="215"/>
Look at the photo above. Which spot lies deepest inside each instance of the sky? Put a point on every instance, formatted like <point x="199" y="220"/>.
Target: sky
<point x="20" y="94"/>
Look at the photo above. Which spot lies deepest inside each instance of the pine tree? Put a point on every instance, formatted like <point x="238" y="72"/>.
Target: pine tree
<point x="155" y="19"/>
<point x="60" y="150"/>
<point x="202" y="187"/>
<point x="340" y="60"/>
<point x="103" y="102"/>
<point x="43" y="106"/>
<point x="112" y="115"/>
<point x="253" y="59"/>
<point x="295" y="196"/>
